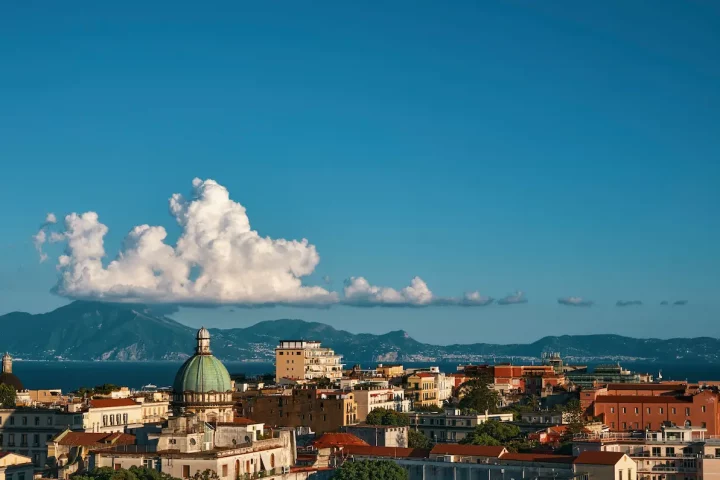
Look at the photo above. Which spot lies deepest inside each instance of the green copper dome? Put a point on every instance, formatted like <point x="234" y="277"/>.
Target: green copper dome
<point x="202" y="372"/>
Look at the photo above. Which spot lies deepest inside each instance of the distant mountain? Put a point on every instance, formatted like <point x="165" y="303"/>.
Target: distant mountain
<point x="105" y="331"/>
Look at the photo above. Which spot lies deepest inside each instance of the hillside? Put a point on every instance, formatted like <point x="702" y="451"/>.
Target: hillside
<point x="121" y="332"/>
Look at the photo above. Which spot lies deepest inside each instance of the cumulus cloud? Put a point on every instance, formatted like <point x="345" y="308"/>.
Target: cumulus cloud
<point x="517" y="297"/>
<point x="575" y="302"/>
<point x="41" y="236"/>
<point x="218" y="259"/>
<point x="627" y="303"/>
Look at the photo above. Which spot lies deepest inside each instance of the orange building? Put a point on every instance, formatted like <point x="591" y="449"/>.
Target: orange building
<point x="529" y="379"/>
<point x="639" y="412"/>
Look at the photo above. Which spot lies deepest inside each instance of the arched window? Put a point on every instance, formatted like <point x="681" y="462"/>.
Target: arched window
<point x="247" y="466"/>
<point x="272" y="460"/>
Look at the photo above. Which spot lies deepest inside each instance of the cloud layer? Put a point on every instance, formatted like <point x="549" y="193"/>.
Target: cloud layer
<point x="515" y="298"/>
<point x="218" y="259"/>
<point x="575" y="302"/>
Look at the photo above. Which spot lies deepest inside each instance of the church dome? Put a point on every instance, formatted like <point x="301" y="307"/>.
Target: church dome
<point x="202" y="373"/>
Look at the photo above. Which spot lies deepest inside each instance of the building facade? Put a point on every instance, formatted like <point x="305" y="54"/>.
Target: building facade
<point x="306" y="360"/>
<point x="15" y="467"/>
<point x="368" y="398"/>
<point x="451" y="426"/>
<point x="317" y="409"/>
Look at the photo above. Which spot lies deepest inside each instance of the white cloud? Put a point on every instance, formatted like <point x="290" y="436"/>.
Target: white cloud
<point x="515" y="298"/>
<point x="40" y="237"/>
<point x="575" y="302"/>
<point x="218" y="259"/>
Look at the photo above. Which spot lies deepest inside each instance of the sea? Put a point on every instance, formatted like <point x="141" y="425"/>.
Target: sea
<point x="70" y="375"/>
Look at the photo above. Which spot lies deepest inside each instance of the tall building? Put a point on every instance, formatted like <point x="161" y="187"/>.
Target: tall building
<point x="7" y="377"/>
<point x="306" y="360"/>
<point x="202" y="385"/>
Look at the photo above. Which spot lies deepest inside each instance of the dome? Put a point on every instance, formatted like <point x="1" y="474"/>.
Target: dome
<point x="12" y="380"/>
<point x="202" y="373"/>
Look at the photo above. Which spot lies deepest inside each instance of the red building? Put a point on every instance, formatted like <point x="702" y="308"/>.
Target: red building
<point x="639" y="412"/>
<point x="530" y="379"/>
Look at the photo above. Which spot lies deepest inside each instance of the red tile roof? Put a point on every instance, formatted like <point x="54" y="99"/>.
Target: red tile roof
<point x="91" y="439"/>
<point x="537" y="457"/>
<point x="112" y="402"/>
<point x="641" y="399"/>
<point x="469" y="450"/>
<point x="245" y="421"/>
<point x="646" y="386"/>
<point x="389" y="452"/>
<point x="599" y="458"/>
<point x="328" y="440"/>
<point x="425" y="375"/>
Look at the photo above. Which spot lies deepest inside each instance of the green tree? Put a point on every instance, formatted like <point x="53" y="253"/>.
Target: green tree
<point x="477" y="394"/>
<point x="492" y="432"/>
<point x="206" y="474"/>
<point x="385" y="416"/>
<point x="428" y="409"/>
<point x="417" y="439"/>
<point x="7" y="396"/>
<point x="371" y="469"/>
<point x="574" y="417"/>
<point x="134" y="473"/>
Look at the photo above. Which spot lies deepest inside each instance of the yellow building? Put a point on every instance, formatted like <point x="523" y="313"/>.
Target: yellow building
<point x="423" y="390"/>
<point x="306" y="360"/>
<point x="390" y="370"/>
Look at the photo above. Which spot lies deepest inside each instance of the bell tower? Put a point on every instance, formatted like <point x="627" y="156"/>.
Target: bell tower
<point x="7" y="363"/>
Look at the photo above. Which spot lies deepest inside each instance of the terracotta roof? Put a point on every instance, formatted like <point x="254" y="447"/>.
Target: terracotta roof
<point x="470" y="450"/>
<point x="424" y="375"/>
<point x="245" y="421"/>
<point x="599" y="458"/>
<point x="389" y="452"/>
<point x="328" y="440"/>
<point x="646" y="386"/>
<point x="92" y="439"/>
<point x="537" y="457"/>
<point x="112" y="402"/>
<point x="641" y="399"/>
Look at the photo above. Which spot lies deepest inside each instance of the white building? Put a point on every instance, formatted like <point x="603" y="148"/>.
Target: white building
<point x="368" y="398"/>
<point x="15" y="467"/>
<point x="109" y="415"/>
<point x="451" y="425"/>
<point x="187" y="446"/>
<point x="306" y="360"/>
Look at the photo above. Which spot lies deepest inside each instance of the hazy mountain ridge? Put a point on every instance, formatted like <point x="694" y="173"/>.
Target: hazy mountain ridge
<point x="103" y="331"/>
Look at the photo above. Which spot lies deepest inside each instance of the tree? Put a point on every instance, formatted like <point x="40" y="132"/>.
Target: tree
<point x="206" y="474"/>
<point x="492" y="432"/>
<point x="385" y="416"/>
<point x="417" y="439"/>
<point x="477" y="394"/>
<point x="134" y="473"/>
<point x="428" y="409"/>
<point x="371" y="469"/>
<point x="574" y="417"/>
<point x="7" y="396"/>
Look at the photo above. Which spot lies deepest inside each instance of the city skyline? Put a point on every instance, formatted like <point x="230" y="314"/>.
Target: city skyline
<point x="429" y="154"/>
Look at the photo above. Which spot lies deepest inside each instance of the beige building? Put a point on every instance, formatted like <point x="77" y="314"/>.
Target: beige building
<point x="368" y="398"/>
<point x="188" y="446"/>
<point x="306" y="360"/>
<point x="390" y="370"/>
<point x="68" y="452"/>
<point x="15" y="467"/>
<point x="108" y="415"/>
<point x="451" y="425"/>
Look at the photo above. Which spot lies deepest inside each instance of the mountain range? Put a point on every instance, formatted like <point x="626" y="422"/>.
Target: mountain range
<point x="123" y="332"/>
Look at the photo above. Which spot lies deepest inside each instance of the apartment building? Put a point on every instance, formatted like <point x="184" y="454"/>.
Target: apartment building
<point x="623" y="413"/>
<point x="26" y="431"/>
<point x="15" y="467"/>
<point x="510" y="379"/>
<point x="369" y="397"/>
<point x="422" y="389"/>
<point x="320" y="410"/>
<point x="306" y="360"/>
<point x="672" y="453"/>
<point x="390" y="370"/>
<point x="451" y="425"/>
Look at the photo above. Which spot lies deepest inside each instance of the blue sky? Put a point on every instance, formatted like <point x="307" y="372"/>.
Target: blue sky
<point x="558" y="148"/>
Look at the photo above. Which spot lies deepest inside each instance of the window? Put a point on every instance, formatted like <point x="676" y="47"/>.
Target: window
<point x="1" y="441"/>
<point x="661" y="410"/>
<point x="670" y="452"/>
<point x="621" y="475"/>
<point x="105" y="420"/>
<point x="21" y="476"/>
<point x="624" y="410"/>
<point x="186" y="471"/>
<point x="37" y="421"/>
<point x="703" y="424"/>
<point x="612" y="409"/>
<point x="24" y="420"/>
<point x="125" y="418"/>
<point x="224" y="470"/>
<point x="624" y="426"/>
<point x="281" y="353"/>
<point x="673" y="410"/>
<point x="23" y="440"/>
<point x="703" y="408"/>
<point x="36" y="459"/>
<point x="637" y="410"/>
<point x="12" y="420"/>
<point x="656" y="451"/>
<point x="272" y="460"/>
<point x="49" y="420"/>
<point x="612" y="424"/>
<point x="687" y="411"/>
<point x="648" y="409"/>
<point x="36" y="440"/>
<point x="118" y="419"/>
<point x="717" y="453"/>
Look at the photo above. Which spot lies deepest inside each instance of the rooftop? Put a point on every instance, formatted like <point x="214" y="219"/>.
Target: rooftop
<point x="90" y="439"/>
<point x="468" y="450"/>
<point x="112" y="402"/>
<point x="328" y="440"/>
<point x="599" y="458"/>
<point x="388" y="452"/>
<point x="642" y="399"/>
